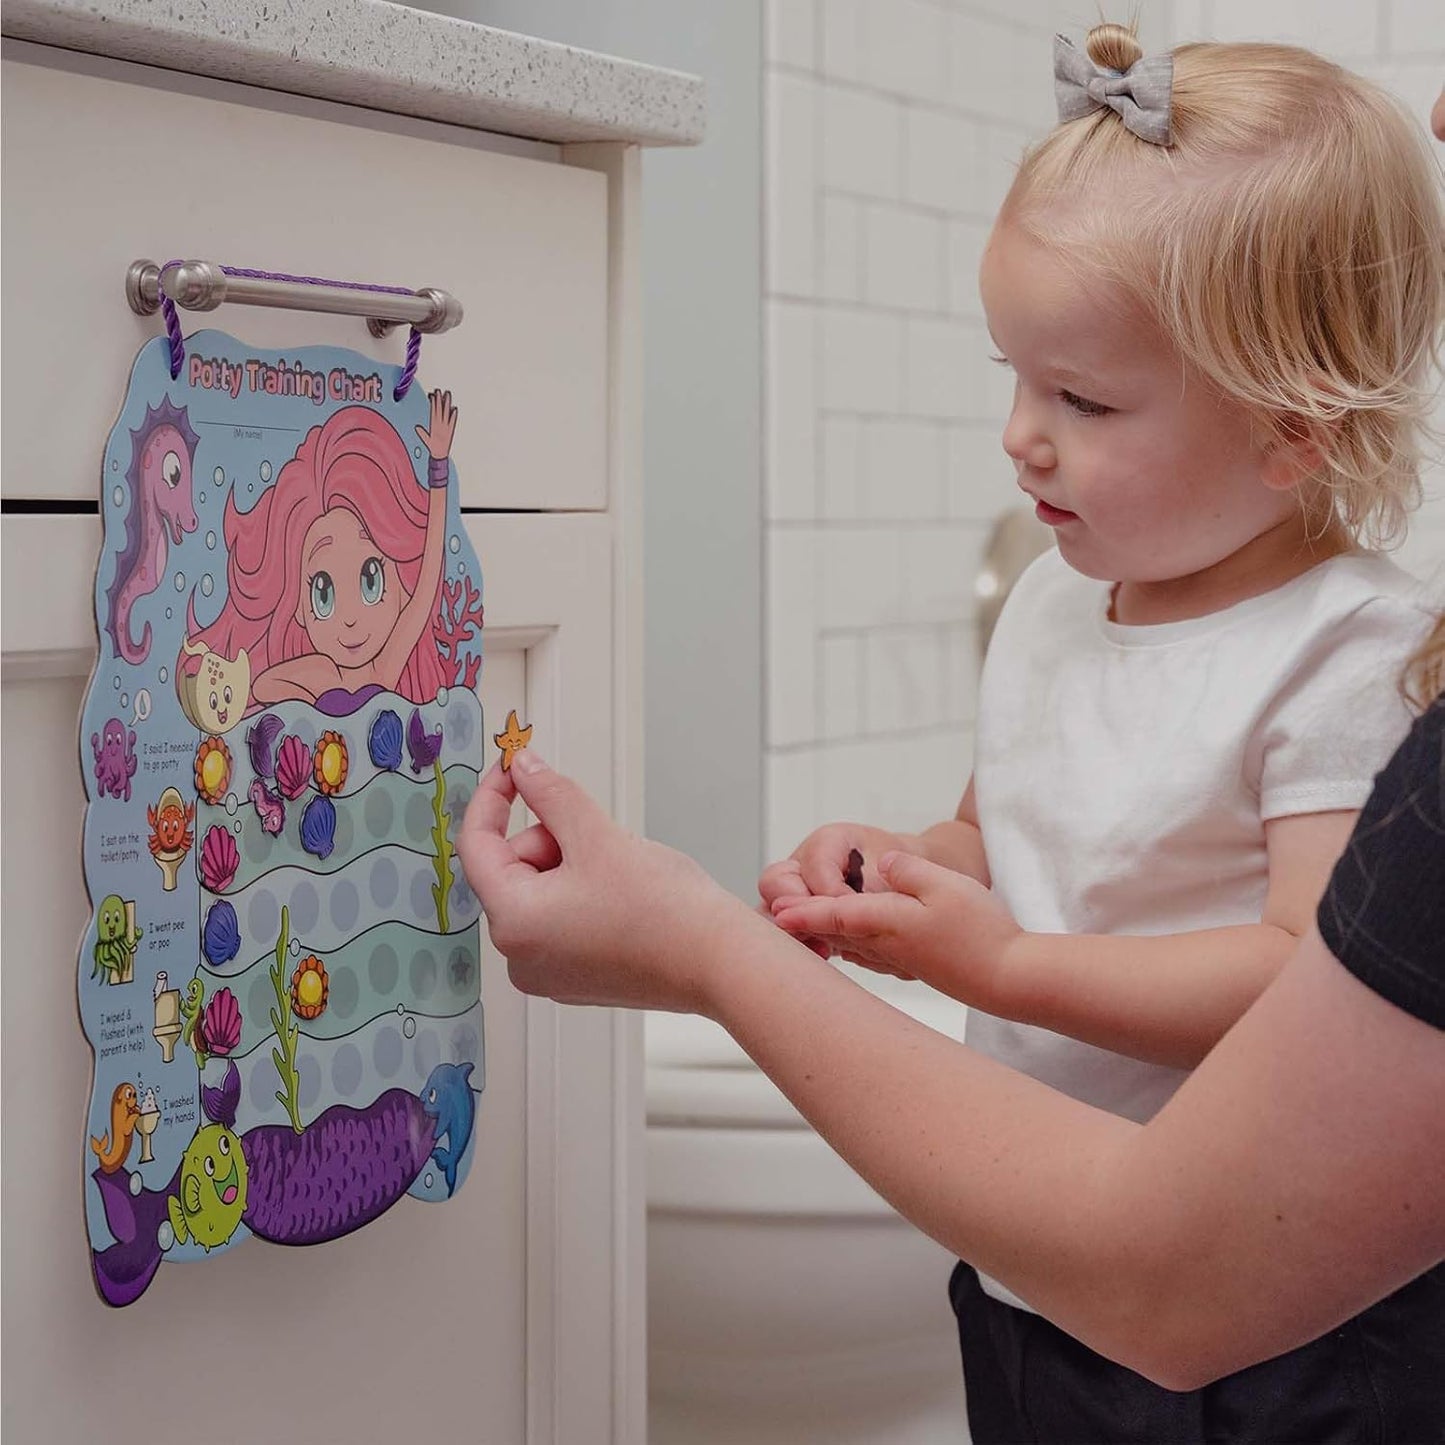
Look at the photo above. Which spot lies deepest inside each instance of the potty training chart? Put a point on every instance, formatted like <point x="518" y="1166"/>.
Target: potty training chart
<point x="281" y="977"/>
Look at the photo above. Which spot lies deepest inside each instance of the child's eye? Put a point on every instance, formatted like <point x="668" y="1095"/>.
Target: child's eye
<point x="1000" y="360"/>
<point x="1083" y="405"/>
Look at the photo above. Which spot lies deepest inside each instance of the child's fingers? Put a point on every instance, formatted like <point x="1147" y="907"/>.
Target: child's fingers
<point x="851" y="915"/>
<point x="825" y="876"/>
<point x="779" y="881"/>
<point x="909" y="874"/>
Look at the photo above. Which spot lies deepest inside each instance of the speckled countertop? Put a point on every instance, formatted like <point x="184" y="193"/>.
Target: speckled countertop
<point x="387" y="57"/>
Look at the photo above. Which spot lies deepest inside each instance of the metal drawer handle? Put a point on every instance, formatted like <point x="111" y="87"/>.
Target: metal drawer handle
<point x="205" y="285"/>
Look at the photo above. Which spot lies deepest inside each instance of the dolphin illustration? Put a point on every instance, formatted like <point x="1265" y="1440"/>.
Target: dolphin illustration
<point x="447" y="1098"/>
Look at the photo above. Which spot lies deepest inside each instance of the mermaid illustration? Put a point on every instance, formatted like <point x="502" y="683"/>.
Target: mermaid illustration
<point x="334" y="576"/>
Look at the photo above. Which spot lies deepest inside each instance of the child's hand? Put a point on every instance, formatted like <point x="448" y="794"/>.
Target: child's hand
<point x="936" y="925"/>
<point x="583" y="911"/>
<point x="820" y="866"/>
<point x="437" y="437"/>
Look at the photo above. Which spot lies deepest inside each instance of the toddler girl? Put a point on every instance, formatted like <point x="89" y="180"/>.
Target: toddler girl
<point x="1218" y="283"/>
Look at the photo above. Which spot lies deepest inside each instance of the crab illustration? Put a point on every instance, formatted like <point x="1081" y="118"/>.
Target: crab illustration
<point x="171" y="835"/>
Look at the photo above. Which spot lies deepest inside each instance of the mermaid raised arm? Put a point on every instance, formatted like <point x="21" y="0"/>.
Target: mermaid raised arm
<point x="418" y="615"/>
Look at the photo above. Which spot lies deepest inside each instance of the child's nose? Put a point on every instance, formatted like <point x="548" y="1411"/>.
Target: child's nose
<point x="1024" y="440"/>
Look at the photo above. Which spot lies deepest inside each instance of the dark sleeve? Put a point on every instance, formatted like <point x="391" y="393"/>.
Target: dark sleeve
<point x="1383" y="913"/>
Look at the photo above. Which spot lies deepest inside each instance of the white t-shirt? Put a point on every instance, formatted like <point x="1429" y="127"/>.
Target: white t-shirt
<point x="1124" y="775"/>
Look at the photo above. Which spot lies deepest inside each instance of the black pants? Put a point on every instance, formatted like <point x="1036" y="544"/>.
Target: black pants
<point x="1377" y="1380"/>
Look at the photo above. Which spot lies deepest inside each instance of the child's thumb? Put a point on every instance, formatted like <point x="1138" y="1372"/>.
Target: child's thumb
<point x="906" y="873"/>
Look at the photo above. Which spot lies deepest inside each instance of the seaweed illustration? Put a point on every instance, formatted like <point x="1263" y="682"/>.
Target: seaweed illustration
<point x="286" y="1030"/>
<point x="443" y="860"/>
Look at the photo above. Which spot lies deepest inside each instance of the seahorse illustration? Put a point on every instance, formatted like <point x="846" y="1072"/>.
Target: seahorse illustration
<point x="113" y="1146"/>
<point x="163" y="448"/>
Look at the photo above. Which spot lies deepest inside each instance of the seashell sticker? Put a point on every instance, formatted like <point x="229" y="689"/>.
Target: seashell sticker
<point x="279" y="737"/>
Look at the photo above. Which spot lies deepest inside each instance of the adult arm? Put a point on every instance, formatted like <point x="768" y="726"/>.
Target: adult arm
<point x="1298" y="1175"/>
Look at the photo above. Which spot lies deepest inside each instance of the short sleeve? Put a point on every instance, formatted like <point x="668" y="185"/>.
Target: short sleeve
<point x="1340" y="715"/>
<point x="1383" y="913"/>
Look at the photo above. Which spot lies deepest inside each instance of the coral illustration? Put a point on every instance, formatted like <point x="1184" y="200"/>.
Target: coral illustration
<point x="461" y="619"/>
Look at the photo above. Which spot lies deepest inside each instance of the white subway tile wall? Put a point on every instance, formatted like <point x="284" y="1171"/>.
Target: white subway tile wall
<point x="892" y="129"/>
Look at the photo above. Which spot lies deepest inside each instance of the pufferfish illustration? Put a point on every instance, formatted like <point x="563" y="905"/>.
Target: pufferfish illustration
<point x="113" y="1146"/>
<point x="213" y="1188"/>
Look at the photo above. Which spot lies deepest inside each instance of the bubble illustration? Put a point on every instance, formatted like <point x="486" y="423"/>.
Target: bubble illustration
<point x="115" y="467"/>
<point x="115" y="682"/>
<point x="169" y="614"/>
<point x="165" y="1235"/>
<point x="408" y="1027"/>
<point x="125" y="699"/>
<point x="441" y="697"/>
<point x="165" y="674"/>
<point x="119" y="497"/>
<point x="427" y="1180"/>
<point x="180" y="581"/>
<point x="208" y="585"/>
<point x="231" y="804"/>
<point x="211" y="541"/>
<point x="220" y="476"/>
<point x="454" y="543"/>
<point x="265" y="471"/>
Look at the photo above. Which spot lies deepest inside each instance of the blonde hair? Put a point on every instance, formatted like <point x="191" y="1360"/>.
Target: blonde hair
<point x="1425" y="676"/>
<point x="1288" y="241"/>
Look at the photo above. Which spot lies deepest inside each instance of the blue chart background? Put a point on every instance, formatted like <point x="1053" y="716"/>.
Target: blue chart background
<point x="402" y="997"/>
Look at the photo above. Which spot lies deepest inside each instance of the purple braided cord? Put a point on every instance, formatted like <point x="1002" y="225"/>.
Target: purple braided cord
<point x="178" y="346"/>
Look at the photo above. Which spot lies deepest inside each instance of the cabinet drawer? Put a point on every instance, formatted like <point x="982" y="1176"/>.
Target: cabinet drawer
<point x="103" y="168"/>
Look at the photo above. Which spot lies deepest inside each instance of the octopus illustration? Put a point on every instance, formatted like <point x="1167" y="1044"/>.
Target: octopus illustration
<point x="163" y="449"/>
<point x="115" y="760"/>
<point x="116" y="940"/>
<point x="171" y="835"/>
<point x="113" y="1146"/>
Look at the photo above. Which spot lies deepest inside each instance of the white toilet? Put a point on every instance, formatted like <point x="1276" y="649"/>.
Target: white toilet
<point x="787" y="1303"/>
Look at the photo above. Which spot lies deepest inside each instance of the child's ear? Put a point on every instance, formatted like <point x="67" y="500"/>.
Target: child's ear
<point x="1294" y="456"/>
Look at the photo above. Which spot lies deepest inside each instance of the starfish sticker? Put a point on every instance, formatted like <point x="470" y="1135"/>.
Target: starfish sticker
<point x="513" y="740"/>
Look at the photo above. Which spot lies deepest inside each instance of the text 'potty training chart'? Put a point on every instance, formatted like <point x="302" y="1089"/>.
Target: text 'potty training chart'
<point x="281" y="977"/>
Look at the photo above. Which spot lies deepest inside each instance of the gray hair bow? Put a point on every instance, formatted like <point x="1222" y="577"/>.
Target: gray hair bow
<point x="1139" y="95"/>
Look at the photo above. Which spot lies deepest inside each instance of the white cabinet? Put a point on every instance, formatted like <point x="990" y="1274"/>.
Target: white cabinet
<point x="378" y="1336"/>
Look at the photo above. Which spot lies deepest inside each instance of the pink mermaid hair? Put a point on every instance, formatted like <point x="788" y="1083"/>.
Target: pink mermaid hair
<point x="357" y="460"/>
